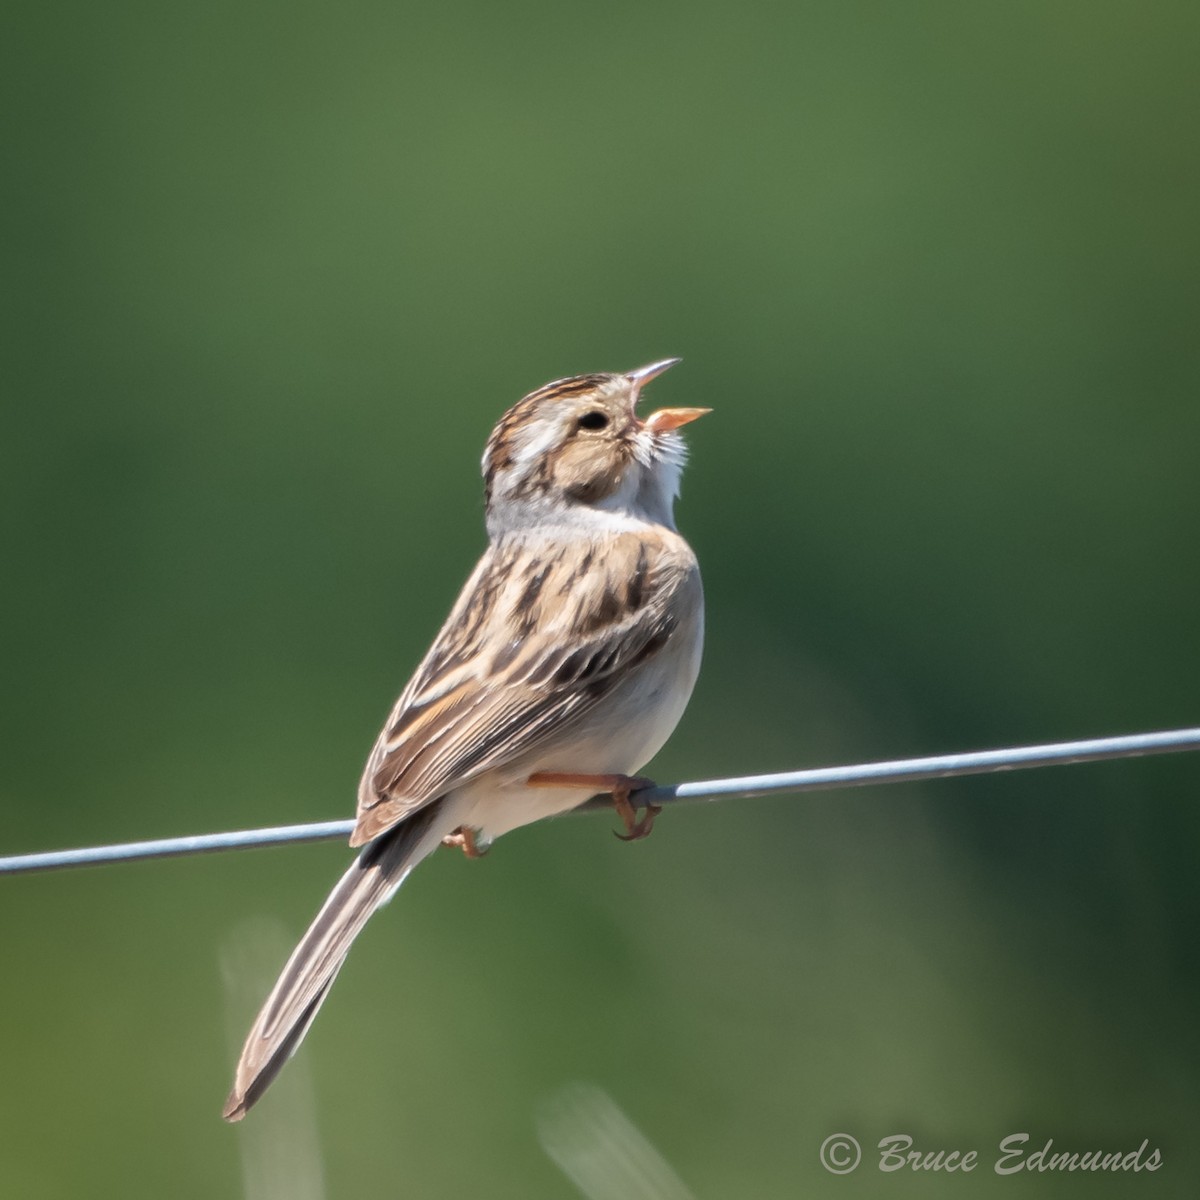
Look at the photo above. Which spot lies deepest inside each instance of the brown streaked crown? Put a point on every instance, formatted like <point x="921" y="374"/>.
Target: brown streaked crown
<point x="571" y="438"/>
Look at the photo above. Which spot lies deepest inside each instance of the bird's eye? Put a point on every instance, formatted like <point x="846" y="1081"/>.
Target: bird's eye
<point x="593" y="420"/>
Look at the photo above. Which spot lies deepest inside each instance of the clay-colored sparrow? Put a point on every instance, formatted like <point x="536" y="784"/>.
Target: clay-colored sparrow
<point x="563" y="668"/>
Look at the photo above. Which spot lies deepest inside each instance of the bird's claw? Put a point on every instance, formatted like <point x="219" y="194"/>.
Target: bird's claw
<point x="635" y="829"/>
<point x="464" y="839"/>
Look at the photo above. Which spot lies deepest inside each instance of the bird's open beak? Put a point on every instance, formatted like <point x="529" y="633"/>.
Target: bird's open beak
<point x="643" y="375"/>
<point x="665" y="419"/>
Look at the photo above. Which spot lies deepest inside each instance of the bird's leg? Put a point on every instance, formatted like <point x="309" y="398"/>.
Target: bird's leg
<point x="620" y="787"/>
<point x="464" y="838"/>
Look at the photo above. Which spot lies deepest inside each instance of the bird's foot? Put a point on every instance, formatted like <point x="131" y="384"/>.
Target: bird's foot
<point x="620" y="787"/>
<point x="464" y="838"/>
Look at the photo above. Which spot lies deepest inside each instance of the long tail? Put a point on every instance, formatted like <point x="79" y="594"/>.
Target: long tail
<point x="289" y="1010"/>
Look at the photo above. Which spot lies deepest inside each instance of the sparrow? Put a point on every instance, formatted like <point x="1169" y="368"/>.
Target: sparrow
<point x="562" y="669"/>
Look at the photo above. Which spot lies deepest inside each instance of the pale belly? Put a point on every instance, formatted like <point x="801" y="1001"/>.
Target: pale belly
<point x="618" y="737"/>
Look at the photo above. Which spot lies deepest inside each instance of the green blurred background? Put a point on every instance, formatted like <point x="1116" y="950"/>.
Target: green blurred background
<point x="272" y="273"/>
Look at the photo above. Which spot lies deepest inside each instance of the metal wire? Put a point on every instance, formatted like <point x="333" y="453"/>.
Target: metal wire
<point x="817" y="779"/>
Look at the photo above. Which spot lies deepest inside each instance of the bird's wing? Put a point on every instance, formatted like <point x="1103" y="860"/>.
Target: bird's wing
<point x="539" y="635"/>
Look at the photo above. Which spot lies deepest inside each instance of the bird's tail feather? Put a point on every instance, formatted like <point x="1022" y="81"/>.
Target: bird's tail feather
<point x="305" y="981"/>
